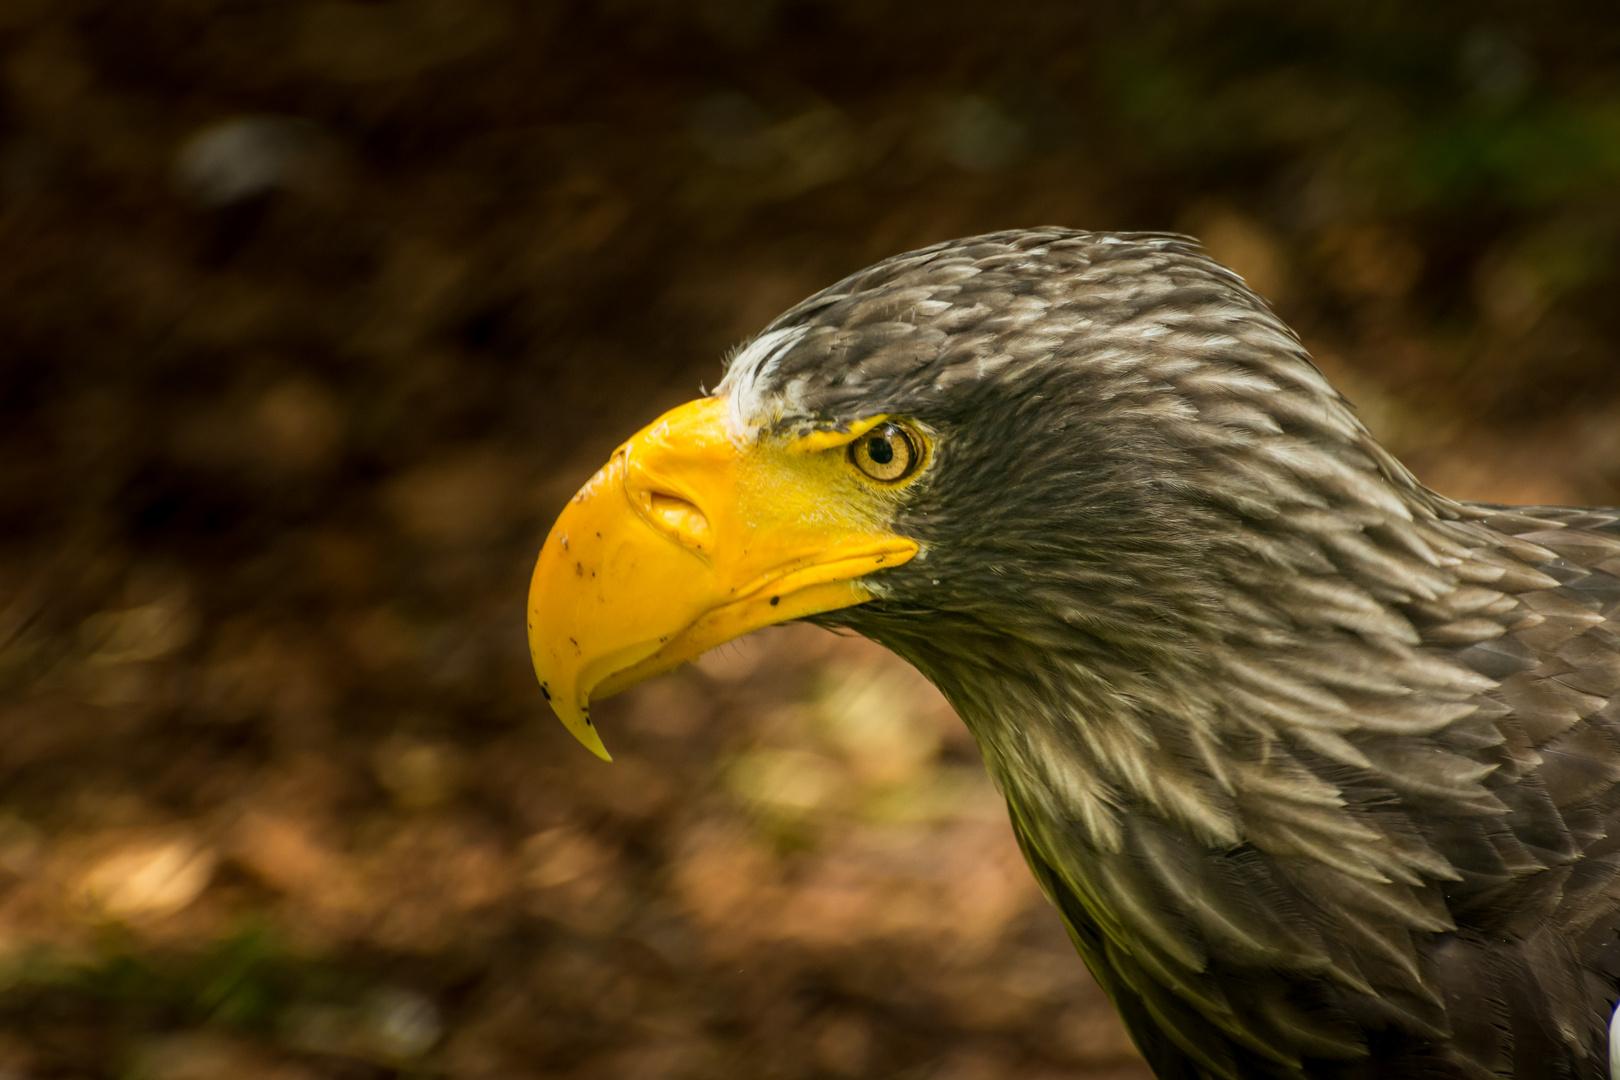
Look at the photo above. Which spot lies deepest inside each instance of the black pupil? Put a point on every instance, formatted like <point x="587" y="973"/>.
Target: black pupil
<point x="880" y="449"/>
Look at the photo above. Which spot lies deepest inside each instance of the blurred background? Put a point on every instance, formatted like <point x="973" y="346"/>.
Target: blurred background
<point x="312" y="315"/>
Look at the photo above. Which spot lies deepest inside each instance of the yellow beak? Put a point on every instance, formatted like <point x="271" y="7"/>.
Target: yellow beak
<point x="687" y="539"/>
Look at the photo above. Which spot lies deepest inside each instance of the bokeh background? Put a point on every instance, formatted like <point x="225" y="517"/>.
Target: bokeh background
<point x="314" y="312"/>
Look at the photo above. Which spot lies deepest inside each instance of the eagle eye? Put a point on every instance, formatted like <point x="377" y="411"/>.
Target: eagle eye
<point x="886" y="453"/>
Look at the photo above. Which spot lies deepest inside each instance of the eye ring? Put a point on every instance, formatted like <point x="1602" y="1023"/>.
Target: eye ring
<point x="888" y="453"/>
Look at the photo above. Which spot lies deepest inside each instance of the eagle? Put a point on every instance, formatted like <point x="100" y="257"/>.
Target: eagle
<point x="1320" y="767"/>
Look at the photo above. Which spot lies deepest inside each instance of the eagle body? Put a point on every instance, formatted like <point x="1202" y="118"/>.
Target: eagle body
<point x="1321" y="768"/>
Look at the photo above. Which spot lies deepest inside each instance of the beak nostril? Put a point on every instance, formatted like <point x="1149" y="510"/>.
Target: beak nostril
<point x="680" y="517"/>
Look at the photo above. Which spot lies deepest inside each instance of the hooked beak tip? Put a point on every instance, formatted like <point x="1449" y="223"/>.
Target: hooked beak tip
<point x="577" y="719"/>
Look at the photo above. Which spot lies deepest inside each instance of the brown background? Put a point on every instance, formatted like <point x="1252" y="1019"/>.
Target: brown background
<point x="313" y="313"/>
